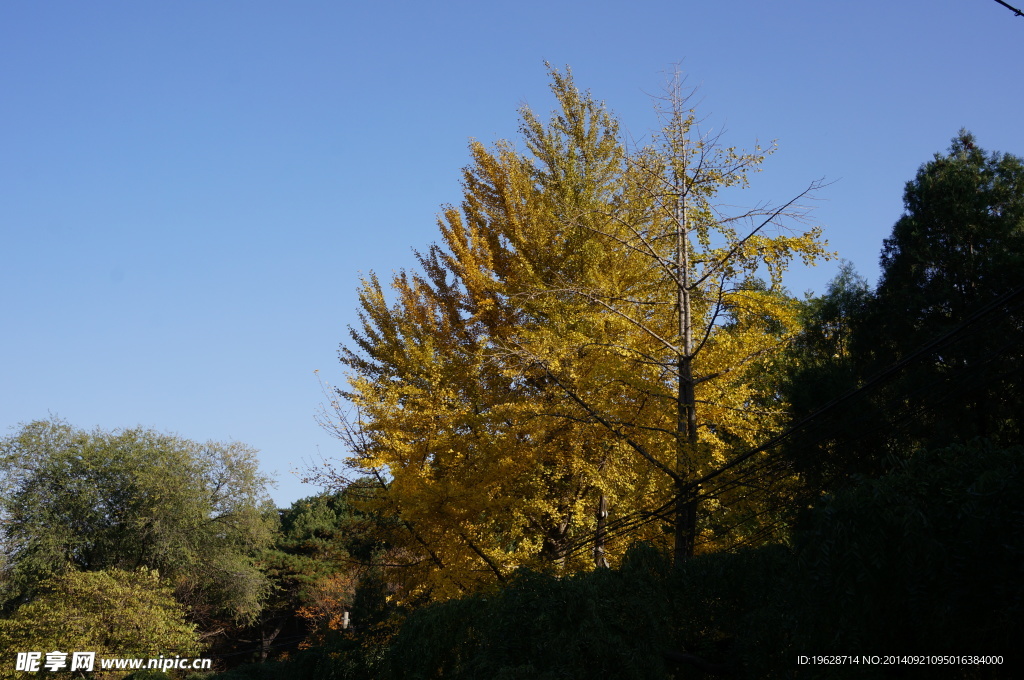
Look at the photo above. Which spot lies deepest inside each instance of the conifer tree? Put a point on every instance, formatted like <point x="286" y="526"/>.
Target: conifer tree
<point x="958" y="247"/>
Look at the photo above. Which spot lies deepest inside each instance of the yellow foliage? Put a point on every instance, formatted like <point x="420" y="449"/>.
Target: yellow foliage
<point x="540" y="358"/>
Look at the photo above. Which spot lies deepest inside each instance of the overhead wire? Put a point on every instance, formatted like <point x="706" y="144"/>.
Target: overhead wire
<point x="631" y="522"/>
<point x="1011" y="8"/>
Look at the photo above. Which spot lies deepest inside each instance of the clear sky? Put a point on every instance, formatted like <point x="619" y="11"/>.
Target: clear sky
<point x="189" y="190"/>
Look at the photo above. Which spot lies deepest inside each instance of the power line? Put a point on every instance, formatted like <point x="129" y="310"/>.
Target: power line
<point x="633" y="521"/>
<point x="879" y="378"/>
<point x="1011" y="8"/>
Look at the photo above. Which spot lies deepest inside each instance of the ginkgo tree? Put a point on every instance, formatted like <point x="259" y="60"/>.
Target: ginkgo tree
<point x="470" y="446"/>
<point x="682" y="383"/>
<point x="584" y="337"/>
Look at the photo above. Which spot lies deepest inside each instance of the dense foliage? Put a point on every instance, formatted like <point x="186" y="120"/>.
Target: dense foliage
<point x="922" y="560"/>
<point x="112" y="613"/>
<point x="76" y="501"/>
<point x="593" y="436"/>
<point x="933" y="354"/>
<point x="589" y="333"/>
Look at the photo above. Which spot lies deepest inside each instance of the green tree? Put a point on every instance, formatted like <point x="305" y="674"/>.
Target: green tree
<point x="956" y="252"/>
<point x="926" y="556"/>
<point x="935" y="350"/>
<point x="111" y="612"/>
<point x="90" y="501"/>
<point x="820" y="366"/>
<point x="319" y="543"/>
<point x="960" y="242"/>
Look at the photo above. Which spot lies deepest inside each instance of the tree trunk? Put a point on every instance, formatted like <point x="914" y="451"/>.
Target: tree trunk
<point x="267" y="639"/>
<point x="686" y="401"/>
<point x="600" y="560"/>
<point x="556" y="541"/>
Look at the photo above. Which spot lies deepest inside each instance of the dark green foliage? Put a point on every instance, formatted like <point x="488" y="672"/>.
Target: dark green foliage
<point x="311" y="544"/>
<point x="925" y="559"/>
<point x="370" y="606"/>
<point x="307" y="547"/>
<point x="323" y="547"/>
<point x="957" y="250"/>
<point x="543" y="627"/>
<point x="959" y="244"/>
<point x="320" y="537"/>
<point x="343" y="658"/>
<point x="849" y="436"/>
<point x="611" y="623"/>
<point x="829" y="321"/>
<point x="936" y="350"/>
<point x="820" y="369"/>
<point x="733" y="609"/>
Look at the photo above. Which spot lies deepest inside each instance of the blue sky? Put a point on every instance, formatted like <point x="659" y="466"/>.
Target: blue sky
<point x="189" y="190"/>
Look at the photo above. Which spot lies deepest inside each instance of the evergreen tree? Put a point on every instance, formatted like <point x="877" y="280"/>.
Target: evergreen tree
<point x="934" y="354"/>
<point x="957" y="253"/>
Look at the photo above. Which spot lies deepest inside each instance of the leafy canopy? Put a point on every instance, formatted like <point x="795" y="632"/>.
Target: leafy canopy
<point x="528" y="373"/>
<point x="90" y="501"/>
<point x="937" y="344"/>
<point x="111" y="612"/>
